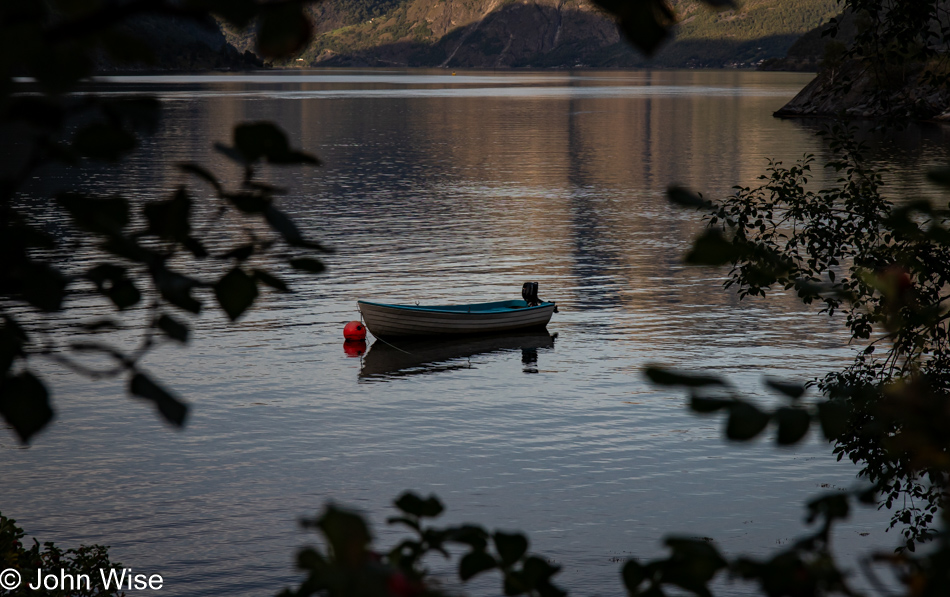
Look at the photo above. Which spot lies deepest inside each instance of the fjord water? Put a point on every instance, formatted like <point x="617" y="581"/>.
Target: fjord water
<point x="451" y="188"/>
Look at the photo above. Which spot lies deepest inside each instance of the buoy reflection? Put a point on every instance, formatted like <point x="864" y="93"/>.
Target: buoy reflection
<point x="354" y="348"/>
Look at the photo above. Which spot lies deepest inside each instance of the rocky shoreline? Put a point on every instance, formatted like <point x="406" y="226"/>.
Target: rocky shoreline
<point x="857" y="90"/>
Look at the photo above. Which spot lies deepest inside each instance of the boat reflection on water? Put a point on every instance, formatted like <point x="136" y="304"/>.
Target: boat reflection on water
<point x="420" y="356"/>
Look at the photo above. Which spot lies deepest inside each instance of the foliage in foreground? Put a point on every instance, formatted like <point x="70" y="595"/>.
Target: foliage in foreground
<point x="162" y="261"/>
<point x="348" y="566"/>
<point x="886" y="269"/>
<point x="15" y="555"/>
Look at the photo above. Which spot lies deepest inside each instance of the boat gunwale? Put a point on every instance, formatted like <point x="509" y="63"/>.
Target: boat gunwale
<point x="479" y="308"/>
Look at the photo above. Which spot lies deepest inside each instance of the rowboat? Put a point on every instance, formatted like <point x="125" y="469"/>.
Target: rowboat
<point x="454" y="320"/>
<point x="386" y="321"/>
<point x="403" y="357"/>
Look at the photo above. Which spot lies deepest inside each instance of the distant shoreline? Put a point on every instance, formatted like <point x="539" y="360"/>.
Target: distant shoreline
<point x="285" y="69"/>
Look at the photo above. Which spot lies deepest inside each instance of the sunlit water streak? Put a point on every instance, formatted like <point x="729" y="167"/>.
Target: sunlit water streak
<point x="457" y="189"/>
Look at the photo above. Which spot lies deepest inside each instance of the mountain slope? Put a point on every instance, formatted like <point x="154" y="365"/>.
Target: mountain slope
<point x="545" y="33"/>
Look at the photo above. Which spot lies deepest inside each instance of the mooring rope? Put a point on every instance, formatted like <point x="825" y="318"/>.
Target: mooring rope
<point x="380" y="339"/>
<point x="396" y="347"/>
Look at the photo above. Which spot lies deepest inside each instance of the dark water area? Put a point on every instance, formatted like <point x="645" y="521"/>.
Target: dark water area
<point x="452" y="189"/>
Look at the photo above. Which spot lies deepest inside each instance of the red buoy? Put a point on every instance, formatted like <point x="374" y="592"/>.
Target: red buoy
<point x="354" y="331"/>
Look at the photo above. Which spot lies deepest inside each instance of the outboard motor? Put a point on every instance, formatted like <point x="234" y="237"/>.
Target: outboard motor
<point x="529" y="292"/>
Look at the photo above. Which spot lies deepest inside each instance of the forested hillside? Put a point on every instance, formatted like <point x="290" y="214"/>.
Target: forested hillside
<point x="544" y="33"/>
<point x="758" y="30"/>
<point x="182" y="45"/>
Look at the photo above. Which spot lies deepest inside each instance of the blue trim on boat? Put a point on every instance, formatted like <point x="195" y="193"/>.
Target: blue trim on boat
<point x="496" y="307"/>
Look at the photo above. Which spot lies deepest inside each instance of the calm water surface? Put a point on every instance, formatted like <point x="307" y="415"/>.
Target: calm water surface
<point x="440" y="188"/>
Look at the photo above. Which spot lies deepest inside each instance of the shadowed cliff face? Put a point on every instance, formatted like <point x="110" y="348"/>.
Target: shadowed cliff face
<point x="529" y="35"/>
<point x="545" y="33"/>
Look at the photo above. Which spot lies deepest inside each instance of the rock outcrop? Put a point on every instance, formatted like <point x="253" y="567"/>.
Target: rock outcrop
<point x="862" y="88"/>
<point x="856" y="89"/>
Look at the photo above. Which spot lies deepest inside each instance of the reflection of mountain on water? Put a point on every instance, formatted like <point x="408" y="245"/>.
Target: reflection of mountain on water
<point x="403" y="358"/>
<point x="480" y="178"/>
